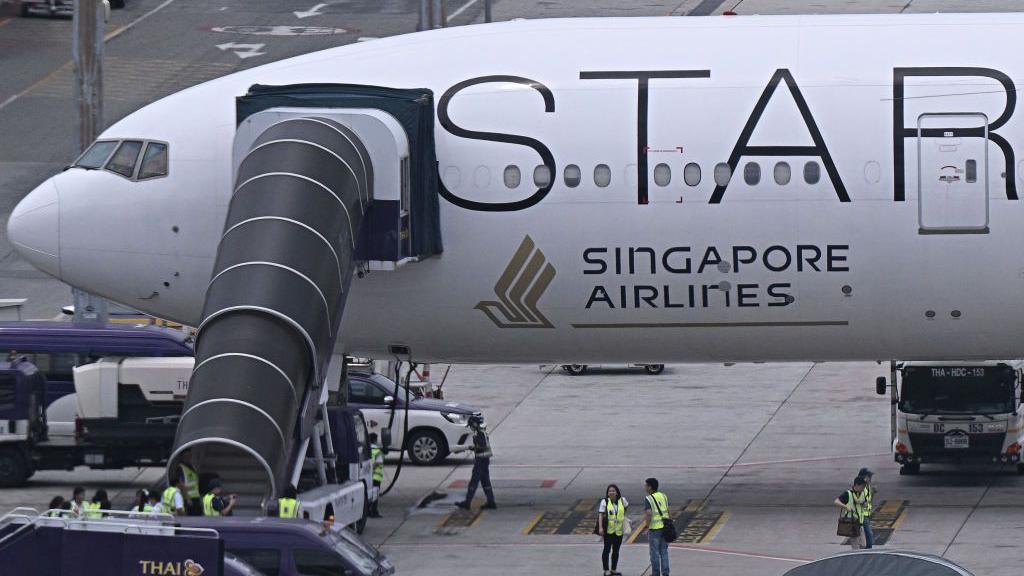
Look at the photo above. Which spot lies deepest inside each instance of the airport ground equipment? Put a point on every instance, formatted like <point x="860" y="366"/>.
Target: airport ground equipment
<point x="330" y="181"/>
<point x="51" y="545"/>
<point x="955" y="412"/>
<point x="127" y="413"/>
<point x="579" y="369"/>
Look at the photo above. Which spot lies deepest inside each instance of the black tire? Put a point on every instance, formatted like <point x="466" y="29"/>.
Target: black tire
<point x="575" y="369"/>
<point x="14" y="469"/>
<point x="654" y="369"/>
<point x="116" y="4"/>
<point x="910" y="469"/>
<point x="1020" y="469"/>
<point x="426" y="447"/>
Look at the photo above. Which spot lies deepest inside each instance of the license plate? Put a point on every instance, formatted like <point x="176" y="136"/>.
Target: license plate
<point x="958" y="441"/>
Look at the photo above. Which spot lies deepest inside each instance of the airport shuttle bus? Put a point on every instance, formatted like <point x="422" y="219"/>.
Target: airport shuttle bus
<point x="956" y="412"/>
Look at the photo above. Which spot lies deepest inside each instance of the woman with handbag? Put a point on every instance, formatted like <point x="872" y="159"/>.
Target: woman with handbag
<point x="612" y="526"/>
<point x="851" y="519"/>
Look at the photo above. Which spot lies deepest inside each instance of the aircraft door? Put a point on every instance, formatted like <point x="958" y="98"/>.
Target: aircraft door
<point x="952" y="179"/>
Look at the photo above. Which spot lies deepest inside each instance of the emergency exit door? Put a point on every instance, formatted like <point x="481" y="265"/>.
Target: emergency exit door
<point x="952" y="179"/>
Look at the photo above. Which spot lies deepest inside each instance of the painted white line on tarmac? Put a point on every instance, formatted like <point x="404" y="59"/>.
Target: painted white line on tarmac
<point x="695" y="466"/>
<point x="728" y="552"/>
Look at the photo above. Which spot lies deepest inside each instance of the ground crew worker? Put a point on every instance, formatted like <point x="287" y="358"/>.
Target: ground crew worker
<point x="287" y="505"/>
<point x="172" y="501"/>
<point x="213" y="504"/>
<point x="869" y="496"/>
<point x="481" y="465"/>
<point x="852" y="503"/>
<point x="612" y="523"/>
<point x="55" y="506"/>
<point x="78" y="504"/>
<point x="155" y="506"/>
<point x="141" y="502"/>
<point x="655" y="514"/>
<point x="377" y="456"/>
<point x="190" y="493"/>
<point x="99" y="502"/>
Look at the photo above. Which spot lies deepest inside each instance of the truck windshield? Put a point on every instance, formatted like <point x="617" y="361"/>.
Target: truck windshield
<point x="958" y="390"/>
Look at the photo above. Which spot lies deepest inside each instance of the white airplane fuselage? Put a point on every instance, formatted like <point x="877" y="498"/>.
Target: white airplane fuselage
<point x="906" y="244"/>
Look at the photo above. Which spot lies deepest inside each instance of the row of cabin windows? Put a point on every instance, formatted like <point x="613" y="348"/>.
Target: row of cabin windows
<point x="782" y="173"/>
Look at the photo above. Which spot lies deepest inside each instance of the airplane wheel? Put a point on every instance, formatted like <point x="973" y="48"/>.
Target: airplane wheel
<point x="654" y="369"/>
<point x="14" y="470"/>
<point x="575" y="369"/>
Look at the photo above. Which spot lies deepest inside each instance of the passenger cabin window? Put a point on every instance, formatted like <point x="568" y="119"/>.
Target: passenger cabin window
<point x="752" y="173"/>
<point x="812" y="172"/>
<point x="541" y="176"/>
<point x="266" y="560"/>
<point x="662" y="175"/>
<point x="691" y="174"/>
<point x="154" y="161"/>
<point x="123" y="161"/>
<point x="602" y="175"/>
<point x="783" y="173"/>
<point x="96" y="155"/>
<point x="723" y="173"/>
<point x="512" y="176"/>
<point x="573" y="176"/>
<point x="318" y="563"/>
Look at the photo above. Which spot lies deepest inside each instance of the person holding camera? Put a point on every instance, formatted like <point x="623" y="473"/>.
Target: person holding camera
<point x="214" y="504"/>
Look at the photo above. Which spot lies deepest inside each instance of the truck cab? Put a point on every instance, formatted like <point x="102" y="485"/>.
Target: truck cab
<point x="956" y="412"/>
<point x="22" y="417"/>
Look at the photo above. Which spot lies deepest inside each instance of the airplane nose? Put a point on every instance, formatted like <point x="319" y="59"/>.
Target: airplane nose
<point x="34" y="228"/>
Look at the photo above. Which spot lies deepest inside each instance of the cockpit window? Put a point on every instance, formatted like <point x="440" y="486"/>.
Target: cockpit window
<point x="123" y="161"/>
<point x="154" y="161"/>
<point x="96" y="155"/>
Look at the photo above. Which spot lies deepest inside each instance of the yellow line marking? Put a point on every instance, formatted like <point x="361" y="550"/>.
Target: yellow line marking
<point x="637" y="531"/>
<point x="479" y="517"/>
<point x="533" y="524"/>
<point x="899" y="520"/>
<point x="4" y="21"/>
<point x="714" y="529"/>
<point x="694" y="506"/>
<point x="444" y="520"/>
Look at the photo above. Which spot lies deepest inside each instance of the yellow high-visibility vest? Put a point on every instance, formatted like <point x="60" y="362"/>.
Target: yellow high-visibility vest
<point x="378" y="463"/>
<point x="288" y="508"/>
<point x="659" y="510"/>
<point x="168" y="499"/>
<point x="208" y="509"/>
<point x="191" y="481"/>
<point x="615" y="515"/>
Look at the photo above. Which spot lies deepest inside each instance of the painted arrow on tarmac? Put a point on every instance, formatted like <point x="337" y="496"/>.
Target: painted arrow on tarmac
<point x="243" y="51"/>
<point x="314" y="11"/>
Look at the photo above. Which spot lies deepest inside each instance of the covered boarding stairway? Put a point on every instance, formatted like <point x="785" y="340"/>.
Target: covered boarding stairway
<point x="328" y="178"/>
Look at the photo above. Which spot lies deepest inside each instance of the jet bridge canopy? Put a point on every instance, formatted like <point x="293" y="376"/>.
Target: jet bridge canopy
<point x="413" y="109"/>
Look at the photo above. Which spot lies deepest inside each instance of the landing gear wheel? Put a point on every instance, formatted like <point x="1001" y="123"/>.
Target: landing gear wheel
<point x="14" y="470"/>
<point x="427" y="447"/>
<point x="654" y="369"/>
<point x="575" y="369"/>
<point x="910" y="469"/>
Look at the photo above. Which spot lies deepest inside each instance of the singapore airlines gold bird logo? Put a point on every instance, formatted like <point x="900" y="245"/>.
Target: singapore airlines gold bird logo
<point x="521" y="285"/>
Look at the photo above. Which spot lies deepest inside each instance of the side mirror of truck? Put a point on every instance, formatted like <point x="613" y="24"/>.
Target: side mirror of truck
<point x="385" y="439"/>
<point x="881" y="386"/>
<point x="389" y="400"/>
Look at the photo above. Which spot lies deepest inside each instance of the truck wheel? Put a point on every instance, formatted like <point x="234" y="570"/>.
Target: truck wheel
<point x="1020" y="469"/>
<point x="910" y="469"/>
<point x="654" y="369"/>
<point x="117" y="4"/>
<point x="427" y="447"/>
<point x="575" y="369"/>
<point x="14" y="470"/>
